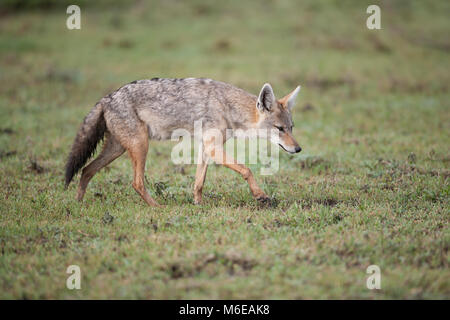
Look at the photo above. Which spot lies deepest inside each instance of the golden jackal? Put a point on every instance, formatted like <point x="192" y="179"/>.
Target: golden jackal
<point x="154" y="108"/>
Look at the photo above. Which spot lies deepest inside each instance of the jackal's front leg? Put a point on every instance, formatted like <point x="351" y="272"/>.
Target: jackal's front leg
<point x="200" y="175"/>
<point x="137" y="147"/>
<point x="247" y="174"/>
<point x="220" y="157"/>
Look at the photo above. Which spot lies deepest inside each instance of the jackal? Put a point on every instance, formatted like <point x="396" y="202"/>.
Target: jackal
<point x="153" y="109"/>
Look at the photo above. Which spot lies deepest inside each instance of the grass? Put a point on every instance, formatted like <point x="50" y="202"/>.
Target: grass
<point x="371" y="185"/>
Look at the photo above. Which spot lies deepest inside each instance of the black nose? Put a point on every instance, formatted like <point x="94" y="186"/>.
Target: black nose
<point x="298" y="149"/>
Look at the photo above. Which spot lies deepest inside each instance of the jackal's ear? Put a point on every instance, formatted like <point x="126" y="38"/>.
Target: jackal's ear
<point x="288" y="101"/>
<point x="266" y="98"/>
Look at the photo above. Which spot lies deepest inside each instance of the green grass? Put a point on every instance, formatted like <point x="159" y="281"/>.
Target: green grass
<point x="371" y="186"/>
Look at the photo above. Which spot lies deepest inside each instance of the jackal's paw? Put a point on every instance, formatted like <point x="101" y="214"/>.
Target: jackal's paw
<point x="198" y="199"/>
<point x="156" y="205"/>
<point x="265" y="201"/>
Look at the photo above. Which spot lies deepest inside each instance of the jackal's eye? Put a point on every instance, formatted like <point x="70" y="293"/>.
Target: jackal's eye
<point x="280" y="128"/>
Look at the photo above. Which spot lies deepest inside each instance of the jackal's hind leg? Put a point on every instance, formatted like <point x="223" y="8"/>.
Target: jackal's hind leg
<point x="111" y="151"/>
<point x="138" y="148"/>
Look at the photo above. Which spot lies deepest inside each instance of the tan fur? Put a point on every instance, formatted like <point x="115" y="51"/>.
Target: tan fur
<point x="154" y="108"/>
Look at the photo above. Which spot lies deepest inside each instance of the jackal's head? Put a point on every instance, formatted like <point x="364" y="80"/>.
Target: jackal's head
<point x="275" y="116"/>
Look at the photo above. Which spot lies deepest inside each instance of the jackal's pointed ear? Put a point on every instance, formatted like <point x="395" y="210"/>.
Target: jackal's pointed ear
<point x="266" y="98"/>
<point x="288" y="101"/>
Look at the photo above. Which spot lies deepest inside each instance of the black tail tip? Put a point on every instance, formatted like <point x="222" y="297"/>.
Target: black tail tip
<point x="68" y="178"/>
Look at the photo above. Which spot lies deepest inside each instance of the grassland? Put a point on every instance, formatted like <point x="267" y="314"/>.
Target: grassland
<point x="371" y="185"/>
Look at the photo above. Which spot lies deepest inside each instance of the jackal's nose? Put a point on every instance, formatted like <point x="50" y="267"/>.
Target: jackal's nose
<point x="298" y="149"/>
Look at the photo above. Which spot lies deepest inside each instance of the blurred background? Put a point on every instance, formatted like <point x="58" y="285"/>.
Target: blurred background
<point x="370" y="186"/>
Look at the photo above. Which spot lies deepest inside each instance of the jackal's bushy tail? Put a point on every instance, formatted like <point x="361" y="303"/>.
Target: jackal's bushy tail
<point x="89" y="135"/>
